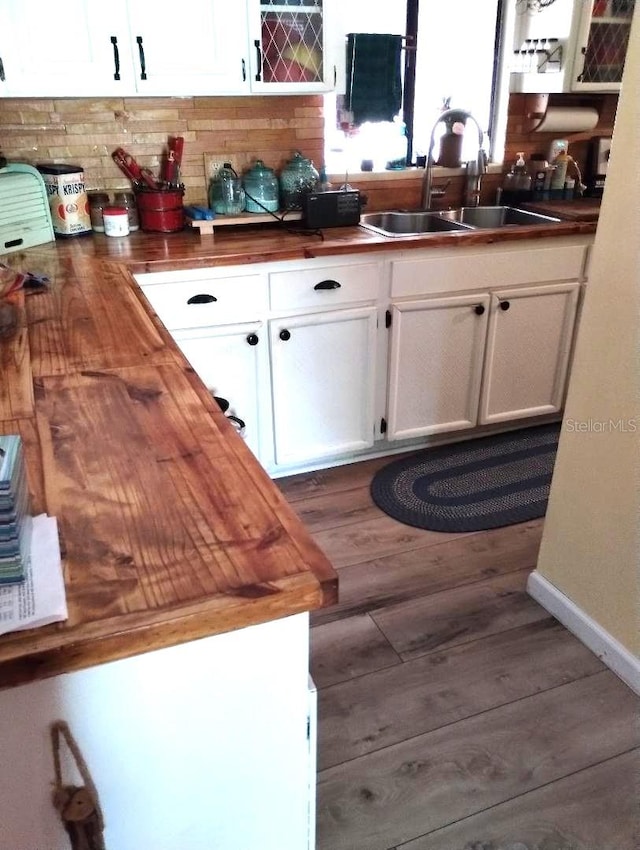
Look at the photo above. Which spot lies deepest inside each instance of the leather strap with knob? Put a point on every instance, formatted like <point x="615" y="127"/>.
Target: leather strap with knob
<point x="78" y="806"/>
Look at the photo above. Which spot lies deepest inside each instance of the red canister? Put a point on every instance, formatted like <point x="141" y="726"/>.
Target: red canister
<point x="161" y="210"/>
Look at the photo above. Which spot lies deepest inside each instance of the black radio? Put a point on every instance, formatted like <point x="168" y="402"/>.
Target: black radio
<point x="331" y="209"/>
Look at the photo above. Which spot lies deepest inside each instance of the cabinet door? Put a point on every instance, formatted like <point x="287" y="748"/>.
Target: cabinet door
<point x="199" y="50"/>
<point x="77" y="49"/>
<point x="601" y="47"/>
<point x="528" y="348"/>
<point x="290" y="47"/>
<point x="232" y="361"/>
<point x="437" y="347"/>
<point x="323" y="374"/>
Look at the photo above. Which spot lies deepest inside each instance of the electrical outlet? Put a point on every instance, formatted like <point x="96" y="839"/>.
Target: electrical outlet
<point x="213" y="162"/>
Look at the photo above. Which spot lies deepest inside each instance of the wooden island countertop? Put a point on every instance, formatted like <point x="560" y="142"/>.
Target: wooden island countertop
<point x="170" y="530"/>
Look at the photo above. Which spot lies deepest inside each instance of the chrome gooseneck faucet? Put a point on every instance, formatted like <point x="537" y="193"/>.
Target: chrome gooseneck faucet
<point x="475" y="168"/>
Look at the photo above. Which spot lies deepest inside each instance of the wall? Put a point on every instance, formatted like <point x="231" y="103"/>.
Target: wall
<point x="591" y="544"/>
<point x="86" y="131"/>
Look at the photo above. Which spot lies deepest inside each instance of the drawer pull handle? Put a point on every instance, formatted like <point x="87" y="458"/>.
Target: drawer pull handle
<point x="116" y="57"/>
<point x="504" y="305"/>
<point x="327" y="284"/>
<point x="253" y="339"/>
<point x="478" y="309"/>
<point x="285" y="335"/>
<point x="239" y="422"/>
<point x="143" y="61"/>
<point x="202" y="298"/>
<point x="256" y="44"/>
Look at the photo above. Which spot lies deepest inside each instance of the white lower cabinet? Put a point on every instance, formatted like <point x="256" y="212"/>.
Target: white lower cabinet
<point x="462" y="361"/>
<point x="435" y="366"/>
<point x="323" y="383"/>
<point x="478" y="336"/>
<point x="209" y="744"/>
<point x="233" y="362"/>
<point x="528" y="348"/>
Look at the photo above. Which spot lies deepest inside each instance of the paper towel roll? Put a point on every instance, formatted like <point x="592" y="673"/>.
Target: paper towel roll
<point x="567" y="119"/>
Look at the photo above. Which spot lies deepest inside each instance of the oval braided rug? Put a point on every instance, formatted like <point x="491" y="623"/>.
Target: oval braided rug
<point x="474" y="485"/>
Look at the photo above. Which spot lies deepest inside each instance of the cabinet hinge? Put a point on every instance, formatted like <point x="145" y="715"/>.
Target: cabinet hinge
<point x="308" y="728"/>
<point x="383" y="426"/>
<point x="387" y="319"/>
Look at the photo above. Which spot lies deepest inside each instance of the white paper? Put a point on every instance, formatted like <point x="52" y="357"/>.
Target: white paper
<point x="40" y="598"/>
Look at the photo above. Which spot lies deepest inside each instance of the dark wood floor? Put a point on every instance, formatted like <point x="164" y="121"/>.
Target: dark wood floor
<point x="454" y="713"/>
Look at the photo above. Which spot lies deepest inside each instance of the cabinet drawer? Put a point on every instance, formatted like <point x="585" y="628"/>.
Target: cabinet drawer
<point x="327" y="286"/>
<point x="208" y="301"/>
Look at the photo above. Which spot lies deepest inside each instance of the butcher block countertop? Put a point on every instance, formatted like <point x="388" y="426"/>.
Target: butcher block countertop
<point x="170" y="530"/>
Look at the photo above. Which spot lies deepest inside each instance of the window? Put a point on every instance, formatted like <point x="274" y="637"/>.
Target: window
<point x="455" y="64"/>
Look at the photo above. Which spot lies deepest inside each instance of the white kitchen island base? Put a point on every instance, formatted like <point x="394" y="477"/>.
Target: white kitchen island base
<point x="200" y="746"/>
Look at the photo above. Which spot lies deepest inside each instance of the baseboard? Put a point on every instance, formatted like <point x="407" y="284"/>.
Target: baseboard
<point x="609" y="650"/>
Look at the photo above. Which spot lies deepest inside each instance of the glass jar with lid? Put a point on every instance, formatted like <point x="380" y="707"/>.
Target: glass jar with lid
<point x="98" y="200"/>
<point x="261" y="189"/>
<point x="299" y="175"/>
<point x="128" y="201"/>
<point x="226" y="195"/>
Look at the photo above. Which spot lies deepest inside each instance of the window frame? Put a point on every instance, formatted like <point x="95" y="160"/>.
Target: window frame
<point x="499" y="98"/>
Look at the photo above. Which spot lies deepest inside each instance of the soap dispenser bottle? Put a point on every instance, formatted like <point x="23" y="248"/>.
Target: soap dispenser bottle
<point x="523" y="178"/>
<point x="517" y="183"/>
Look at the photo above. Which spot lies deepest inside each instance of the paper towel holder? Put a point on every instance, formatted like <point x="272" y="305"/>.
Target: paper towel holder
<point x="541" y="119"/>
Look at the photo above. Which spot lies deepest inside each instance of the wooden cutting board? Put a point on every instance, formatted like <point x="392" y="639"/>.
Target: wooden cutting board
<point x="579" y="209"/>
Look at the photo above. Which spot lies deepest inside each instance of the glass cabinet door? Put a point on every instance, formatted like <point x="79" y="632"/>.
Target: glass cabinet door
<point x="290" y="49"/>
<point x="603" y="44"/>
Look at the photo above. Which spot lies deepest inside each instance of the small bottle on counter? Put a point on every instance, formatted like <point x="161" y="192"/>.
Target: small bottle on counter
<point x="116" y="221"/>
<point x="128" y="201"/>
<point x="97" y="202"/>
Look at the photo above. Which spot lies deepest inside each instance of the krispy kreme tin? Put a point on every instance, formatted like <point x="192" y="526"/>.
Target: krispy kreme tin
<point x="67" y="199"/>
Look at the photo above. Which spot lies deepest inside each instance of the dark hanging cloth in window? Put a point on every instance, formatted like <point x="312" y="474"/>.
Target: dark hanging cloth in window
<point x="374" y="81"/>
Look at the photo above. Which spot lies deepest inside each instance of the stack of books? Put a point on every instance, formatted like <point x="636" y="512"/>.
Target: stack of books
<point x="15" y="515"/>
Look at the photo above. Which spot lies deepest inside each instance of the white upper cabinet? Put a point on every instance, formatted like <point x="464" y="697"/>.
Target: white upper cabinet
<point x="201" y="50"/>
<point x="125" y="48"/>
<point x="291" y="45"/>
<point x="569" y="45"/>
<point x="601" y="45"/>
<point x="82" y="51"/>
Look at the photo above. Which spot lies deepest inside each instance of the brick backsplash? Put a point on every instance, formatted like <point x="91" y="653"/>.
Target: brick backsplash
<point x="86" y="131"/>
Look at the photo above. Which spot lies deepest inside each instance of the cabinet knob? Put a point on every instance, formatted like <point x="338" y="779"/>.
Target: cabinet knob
<point x="327" y="284"/>
<point x="285" y="335"/>
<point x="202" y="298"/>
<point x="253" y="339"/>
<point x="478" y="309"/>
<point x="504" y="305"/>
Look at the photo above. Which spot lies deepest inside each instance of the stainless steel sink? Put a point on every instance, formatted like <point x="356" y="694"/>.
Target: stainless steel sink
<point x="399" y="223"/>
<point x="497" y="216"/>
<point x="408" y="223"/>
